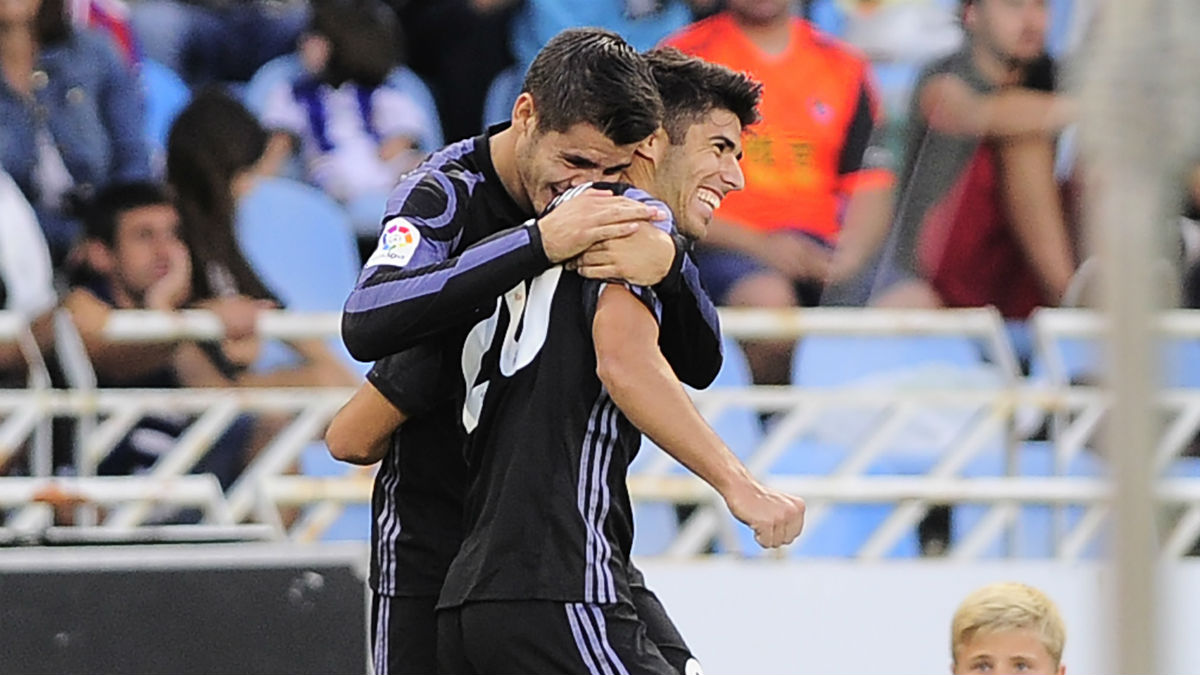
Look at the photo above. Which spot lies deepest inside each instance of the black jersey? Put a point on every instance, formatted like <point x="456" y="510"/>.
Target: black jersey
<point x="547" y="508"/>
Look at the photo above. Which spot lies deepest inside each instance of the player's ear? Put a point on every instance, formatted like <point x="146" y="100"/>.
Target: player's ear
<point x="524" y="113"/>
<point x="652" y="148"/>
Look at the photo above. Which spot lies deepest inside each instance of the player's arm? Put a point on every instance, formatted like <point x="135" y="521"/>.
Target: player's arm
<point x="950" y="106"/>
<point x="691" y="334"/>
<point x="414" y="291"/>
<point x="397" y="387"/>
<point x="359" y="432"/>
<point x="640" y="381"/>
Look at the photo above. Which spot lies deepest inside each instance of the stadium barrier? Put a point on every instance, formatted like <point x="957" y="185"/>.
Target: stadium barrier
<point x="948" y="421"/>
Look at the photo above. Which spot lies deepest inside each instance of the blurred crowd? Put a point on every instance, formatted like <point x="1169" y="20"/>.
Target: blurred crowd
<point x="160" y="154"/>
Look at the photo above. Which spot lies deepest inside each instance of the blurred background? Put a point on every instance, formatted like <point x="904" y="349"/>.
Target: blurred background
<point x="958" y="297"/>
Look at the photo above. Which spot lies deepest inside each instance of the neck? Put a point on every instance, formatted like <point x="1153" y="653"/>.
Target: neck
<point x="640" y="174"/>
<point x="771" y="36"/>
<point x="994" y="67"/>
<point x="18" y="57"/>
<point x="503" y="147"/>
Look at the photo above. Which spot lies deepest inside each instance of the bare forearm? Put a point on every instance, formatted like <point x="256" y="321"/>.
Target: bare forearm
<point x="866" y="225"/>
<point x="950" y="106"/>
<point x="1035" y="209"/>
<point x="359" y="432"/>
<point x="650" y="396"/>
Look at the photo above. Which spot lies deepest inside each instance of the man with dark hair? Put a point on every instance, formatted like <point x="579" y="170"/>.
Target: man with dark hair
<point x="543" y="581"/>
<point x="134" y="258"/>
<point x="452" y="242"/>
<point x="981" y="219"/>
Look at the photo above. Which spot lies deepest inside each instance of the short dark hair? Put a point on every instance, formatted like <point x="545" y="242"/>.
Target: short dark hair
<point x="691" y="87"/>
<point x="593" y="76"/>
<point x="106" y="208"/>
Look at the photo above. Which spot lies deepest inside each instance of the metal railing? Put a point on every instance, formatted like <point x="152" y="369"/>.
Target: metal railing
<point x="985" y="422"/>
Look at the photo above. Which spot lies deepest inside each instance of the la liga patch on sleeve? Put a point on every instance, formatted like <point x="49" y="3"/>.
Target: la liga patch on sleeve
<point x="397" y="244"/>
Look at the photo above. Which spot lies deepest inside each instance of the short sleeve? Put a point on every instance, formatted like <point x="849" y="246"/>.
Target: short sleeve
<point x="412" y="379"/>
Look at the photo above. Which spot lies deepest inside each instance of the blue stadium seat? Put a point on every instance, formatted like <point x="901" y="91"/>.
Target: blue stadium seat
<point x="1035" y="522"/>
<point x="166" y="94"/>
<point x="298" y="241"/>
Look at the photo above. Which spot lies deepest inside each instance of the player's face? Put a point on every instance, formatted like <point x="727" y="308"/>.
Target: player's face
<point x="694" y="176"/>
<point x="143" y="246"/>
<point x="1006" y="652"/>
<point x="1014" y="30"/>
<point x="759" y="11"/>
<point x="550" y="162"/>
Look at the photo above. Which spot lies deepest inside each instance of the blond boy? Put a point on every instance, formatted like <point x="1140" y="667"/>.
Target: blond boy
<point x="1007" y="628"/>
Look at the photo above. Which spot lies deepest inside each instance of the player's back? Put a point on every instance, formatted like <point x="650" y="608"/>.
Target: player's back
<point x="547" y="510"/>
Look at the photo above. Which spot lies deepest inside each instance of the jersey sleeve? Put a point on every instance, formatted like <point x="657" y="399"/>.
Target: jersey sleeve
<point x="593" y="287"/>
<point x="411" y="380"/>
<point x="864" y="161"/>
<point x="417" y="283"/>
<point x="690" y="332"/>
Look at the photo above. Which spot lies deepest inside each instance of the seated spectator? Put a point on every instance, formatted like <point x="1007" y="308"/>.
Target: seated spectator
<point x="211" y="41"/>
<point x="213" y="152"/>
<point x="71" y="111"/>
<point x="133" y="258"/>
<point x="357" y="134"/>
<point x="26" y="278"/>
<point x="816" y="181"/>
<point x="1007" y="628"/>
<point x="643" y="23"/>
<point x="982" y="218"/>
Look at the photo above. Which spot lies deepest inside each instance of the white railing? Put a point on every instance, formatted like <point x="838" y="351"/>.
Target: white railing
<point x="984" y="422"/>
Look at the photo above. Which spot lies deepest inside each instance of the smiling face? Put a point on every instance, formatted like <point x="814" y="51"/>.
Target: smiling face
<point x="551" y="162"/>
<point x="694" y="176"/>
<point x="1005" y="652"/>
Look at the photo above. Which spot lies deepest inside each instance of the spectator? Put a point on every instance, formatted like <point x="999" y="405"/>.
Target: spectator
<point x="643" y="23"/>
<point x="133" y="258"/>
<point x="811" y="182"/>
<point x="26" y="278"/>
<point x="71" y="111"/>
<point x="1007" y="628"/>
<point x="213" y="152"/>
<point x="982" y="218"/>
<point x="358" y="135"/>
<point x="208" y="41"/>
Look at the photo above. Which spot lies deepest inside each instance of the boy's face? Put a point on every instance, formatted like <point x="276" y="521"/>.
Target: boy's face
<point x="1005" y="652"/>
<point x="146" y="239"/>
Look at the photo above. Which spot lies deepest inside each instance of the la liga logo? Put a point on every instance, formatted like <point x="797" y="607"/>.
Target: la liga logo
<point x="399" y="236"/>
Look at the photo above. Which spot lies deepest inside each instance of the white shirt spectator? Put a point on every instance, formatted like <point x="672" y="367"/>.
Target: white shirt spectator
<point x="351" y="165"/>
<point x="25" y="268"/>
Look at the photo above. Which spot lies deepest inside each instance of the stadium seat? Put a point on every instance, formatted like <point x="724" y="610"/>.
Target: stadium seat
<point x="1035" y="523"/>
<point x="166" y="95"/>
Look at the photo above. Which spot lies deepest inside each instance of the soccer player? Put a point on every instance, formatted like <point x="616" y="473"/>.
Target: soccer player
<point x="1007" y="628"/>
<point x="430" y="269"/>
<point x="560" y="379"/>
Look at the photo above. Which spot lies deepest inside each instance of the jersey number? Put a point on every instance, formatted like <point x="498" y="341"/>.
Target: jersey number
<point x="529" y="311"/>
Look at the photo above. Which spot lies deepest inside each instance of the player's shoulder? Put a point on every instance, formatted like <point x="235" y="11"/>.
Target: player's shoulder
<point x="437" y="188"/>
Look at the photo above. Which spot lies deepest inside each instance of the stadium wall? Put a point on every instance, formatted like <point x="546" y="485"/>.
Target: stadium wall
<point x="893" y="618"/>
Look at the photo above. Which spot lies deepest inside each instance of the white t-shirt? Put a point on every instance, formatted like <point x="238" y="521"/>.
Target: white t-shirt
<point x="24" y="258"/>
<point x="352" y="167"/>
